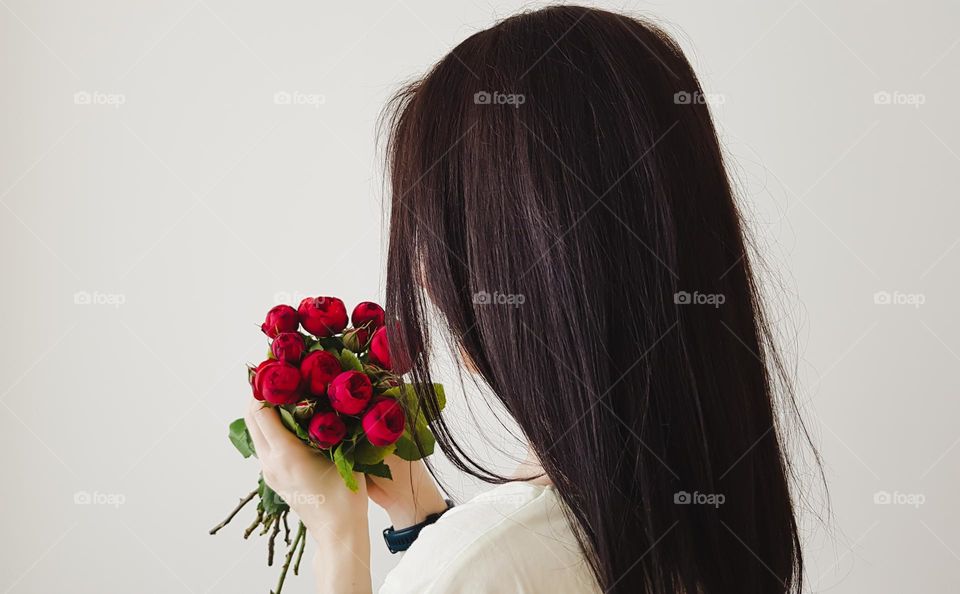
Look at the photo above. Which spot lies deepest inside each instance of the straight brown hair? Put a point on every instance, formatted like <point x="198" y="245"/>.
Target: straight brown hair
<point x="566" y="159"/>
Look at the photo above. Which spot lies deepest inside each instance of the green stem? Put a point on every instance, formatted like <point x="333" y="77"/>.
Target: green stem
<point x="286" y="528"/>
<point x="270" y="543"/>
<point x="267" y="524"/>
<point x="303" y="545"/>
<point x="253" y="526"/>
<point x="301" y="534"/>
<point x="236" y="510"/>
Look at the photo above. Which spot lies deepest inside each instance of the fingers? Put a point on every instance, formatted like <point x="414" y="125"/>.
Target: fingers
<point x="259" y="441"/>
<point x="271" y="428"/>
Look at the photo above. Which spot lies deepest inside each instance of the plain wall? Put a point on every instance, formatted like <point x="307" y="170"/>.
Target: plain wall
<point x="183" y="196"/>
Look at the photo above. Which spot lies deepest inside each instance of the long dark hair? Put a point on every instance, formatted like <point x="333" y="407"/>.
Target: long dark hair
<point x="559" y="196"/>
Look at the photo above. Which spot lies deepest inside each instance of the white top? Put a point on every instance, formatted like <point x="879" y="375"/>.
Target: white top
<point x="513" y="538"/>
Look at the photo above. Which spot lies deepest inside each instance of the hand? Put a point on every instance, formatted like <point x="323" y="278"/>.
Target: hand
<point x="410" y="497"/>
<point x="335" y="516"/>
<point x="302" y="476"/>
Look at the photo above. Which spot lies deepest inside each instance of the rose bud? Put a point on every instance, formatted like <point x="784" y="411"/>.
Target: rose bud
<point x="384" y="379"/>
<point x="281" y="318"/>
<point x="326" y="429"/>
<point x="317" y="370"/>
<point x="289" y="347"/>
<point x="380" y="349"/>
<point x="323" y="316"/>
<point x="278" y="382"/>
<point x="384" y="422"/>
<point x="303" y="411"/>
<point x="252" y="377"/>
<point x="366" y="317"/>
<point x="356" y="339"/>
<point x="349" y="392"/>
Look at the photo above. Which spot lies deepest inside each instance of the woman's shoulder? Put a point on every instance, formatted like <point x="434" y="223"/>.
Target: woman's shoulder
<point x="513" y="538"/>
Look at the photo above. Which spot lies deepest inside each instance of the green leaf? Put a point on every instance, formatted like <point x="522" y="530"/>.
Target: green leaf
<point x="407" y="446"/>
<point x="424" y="437"/>
<point x="349" y="361"/>
<point x="406" y="449"/>
<point x="291" y="423"/>
<point x="414" y="404"/>
<point x="344" y="462"/>
<point x="381" y="470"/>
<point x="366" y="453"/>
<point x="240" y="438"/>
<point x="270" y="502"/>
<point x="332" y="343"/>
<point x="354" y="427"/>
<point x="441" y="396"/>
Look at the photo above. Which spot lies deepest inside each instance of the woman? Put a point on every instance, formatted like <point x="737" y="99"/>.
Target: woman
<point x="564" y="163"/>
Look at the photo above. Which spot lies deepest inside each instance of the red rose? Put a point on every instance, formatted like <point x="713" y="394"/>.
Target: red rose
<point x="384" y="422"/>
<point x="367" y="311"/>
<point x="318" y="369"/>
<point x="252" y="377"/>
<point x="323" y="316"/>
<point x="349" y="392"/>
<point x="380" y="349"/>
<point x="326" y="429"/>
<point x="278" y="382"/>
<point x="366" y="317"/>
<point x="288" y="346"/>
<point x="281" y="318"/>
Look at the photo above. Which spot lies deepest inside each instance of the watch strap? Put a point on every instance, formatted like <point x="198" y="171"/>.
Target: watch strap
<point x="401" y="540"/>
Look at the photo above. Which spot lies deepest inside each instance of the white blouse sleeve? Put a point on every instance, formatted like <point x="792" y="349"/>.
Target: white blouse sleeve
<point x="512" y="539"/>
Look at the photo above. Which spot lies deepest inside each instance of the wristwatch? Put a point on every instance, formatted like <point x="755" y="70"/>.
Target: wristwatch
<point x="400" y="540"/>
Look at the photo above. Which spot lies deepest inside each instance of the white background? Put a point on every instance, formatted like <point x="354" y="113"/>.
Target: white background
<point x="197" y="199"/>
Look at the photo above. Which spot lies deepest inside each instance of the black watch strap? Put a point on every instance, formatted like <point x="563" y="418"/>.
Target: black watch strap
<point x="400" y="540"/>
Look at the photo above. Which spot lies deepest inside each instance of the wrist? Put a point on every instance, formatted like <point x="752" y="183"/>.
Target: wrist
<point x="324" y="521"/>
<point x="333" y="511"/>
<point x="341" y="562"/>
<point x="408" y="513"/>
<point x="350" y="535"/>
<point x="345" y="527"/>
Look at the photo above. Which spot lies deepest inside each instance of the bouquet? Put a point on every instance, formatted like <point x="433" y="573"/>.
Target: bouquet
<point x="339" y="390"/>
